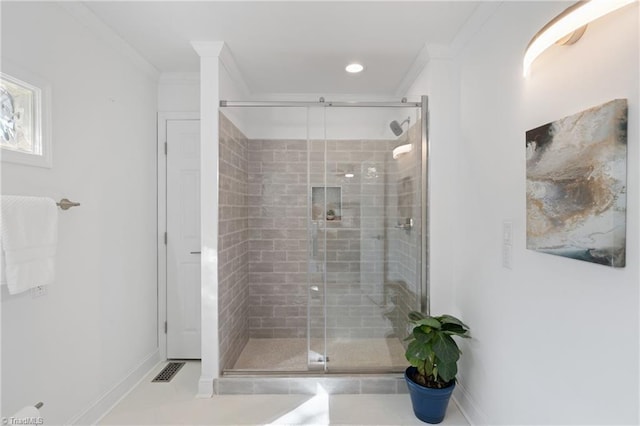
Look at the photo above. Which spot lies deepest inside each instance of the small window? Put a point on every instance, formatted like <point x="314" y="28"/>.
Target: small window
<point x="24" y="123"/>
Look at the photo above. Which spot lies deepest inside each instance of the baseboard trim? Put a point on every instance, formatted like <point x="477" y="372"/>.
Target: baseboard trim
<point x="205" y="387"/>
<point x="468" y="407"/>
<point x="105" y="403"/>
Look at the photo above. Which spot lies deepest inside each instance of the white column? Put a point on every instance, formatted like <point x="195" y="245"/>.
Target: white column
<point x="209" y="103"/>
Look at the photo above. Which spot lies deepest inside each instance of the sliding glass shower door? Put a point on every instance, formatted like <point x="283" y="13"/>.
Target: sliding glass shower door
<point x="333" y="242"/>
<point x="366" y="218"/>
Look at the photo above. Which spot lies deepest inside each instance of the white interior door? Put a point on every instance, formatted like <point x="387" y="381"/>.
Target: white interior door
<point x="183" y="239"/>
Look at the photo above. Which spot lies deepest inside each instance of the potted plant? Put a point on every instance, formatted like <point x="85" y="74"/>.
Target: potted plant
<point x="433" y="355"/>
<point x="331" y="214"/>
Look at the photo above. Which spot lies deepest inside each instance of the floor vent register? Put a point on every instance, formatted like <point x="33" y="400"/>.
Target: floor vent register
<point x="168" y="372"/>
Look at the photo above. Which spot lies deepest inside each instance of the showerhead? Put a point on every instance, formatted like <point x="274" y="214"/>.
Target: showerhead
<point x="396" y="127"/>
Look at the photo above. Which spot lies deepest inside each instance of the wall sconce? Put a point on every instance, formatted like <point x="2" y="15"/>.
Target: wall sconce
<point x="568" y="26"/>
<point x="401" y="149"/>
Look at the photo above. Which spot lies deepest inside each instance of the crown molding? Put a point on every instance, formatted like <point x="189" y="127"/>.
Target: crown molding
<point x="220" y="50"/>
<point x="431" y="51"/>
<point x="421" y="61"/>
<point x="208" y="49"/>
<point x="230" y="64"/>
<point x="477" y="20"/>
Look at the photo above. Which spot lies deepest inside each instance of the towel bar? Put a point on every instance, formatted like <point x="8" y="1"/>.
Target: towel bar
<point x="66" y="204"/>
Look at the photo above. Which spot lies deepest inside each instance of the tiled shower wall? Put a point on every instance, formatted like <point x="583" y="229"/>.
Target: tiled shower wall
<point x="358" y="298"/>
<point x="233" y="243"/>
<point x="277" y="238"/>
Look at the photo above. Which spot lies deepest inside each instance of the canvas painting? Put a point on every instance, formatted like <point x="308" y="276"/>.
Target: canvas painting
<point x="576" y="185"/>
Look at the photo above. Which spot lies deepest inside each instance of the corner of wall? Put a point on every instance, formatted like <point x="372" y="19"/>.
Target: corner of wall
<point x="468" y="406"/>
<point x="88" y="19"/>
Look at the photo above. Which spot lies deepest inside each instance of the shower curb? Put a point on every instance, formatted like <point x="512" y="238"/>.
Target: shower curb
<point x="257" y="385"/>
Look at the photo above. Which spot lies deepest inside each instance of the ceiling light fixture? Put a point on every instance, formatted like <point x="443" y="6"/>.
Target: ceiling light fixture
<point x="568" y="27"/>
<point x="354" y="68"/>
<point x="349" y="175"/>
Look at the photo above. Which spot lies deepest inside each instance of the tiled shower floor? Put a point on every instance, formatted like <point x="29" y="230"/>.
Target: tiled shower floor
<point x="277" y="354"/>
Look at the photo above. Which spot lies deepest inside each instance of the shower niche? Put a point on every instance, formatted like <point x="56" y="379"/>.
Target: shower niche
<point x="326" y="203"/>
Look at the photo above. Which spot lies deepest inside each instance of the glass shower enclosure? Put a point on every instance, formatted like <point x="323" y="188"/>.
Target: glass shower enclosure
<point x="322" y="235"/>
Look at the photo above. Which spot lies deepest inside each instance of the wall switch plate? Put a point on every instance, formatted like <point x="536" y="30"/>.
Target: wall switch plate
<point x="507" y="232"/>
<point x="507" y="256"/>
<point x="38" y="291"/>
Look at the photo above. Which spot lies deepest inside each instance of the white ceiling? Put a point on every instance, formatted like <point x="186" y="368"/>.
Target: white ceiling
<point x="291" y="47"/>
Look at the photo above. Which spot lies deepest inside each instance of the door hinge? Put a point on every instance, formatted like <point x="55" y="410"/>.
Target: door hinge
<point x="165" y="327"/>
<point x="165" y="238"/>
<point x="166" y="148"/>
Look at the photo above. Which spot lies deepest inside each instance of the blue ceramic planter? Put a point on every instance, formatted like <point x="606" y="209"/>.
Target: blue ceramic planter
<point x="429" y="405"/>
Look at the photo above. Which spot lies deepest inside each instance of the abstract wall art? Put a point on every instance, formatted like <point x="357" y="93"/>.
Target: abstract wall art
<point x="576" y="185"/>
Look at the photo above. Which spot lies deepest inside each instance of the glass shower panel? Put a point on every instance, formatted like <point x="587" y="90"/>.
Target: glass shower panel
<point x="319" y="205"/>
<point x="271" y="283"/>
<point x="373" y="239"/>
<point x="319" y="259"/>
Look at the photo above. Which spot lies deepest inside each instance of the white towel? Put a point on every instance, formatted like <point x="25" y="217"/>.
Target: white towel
<point x="29" y="236"/>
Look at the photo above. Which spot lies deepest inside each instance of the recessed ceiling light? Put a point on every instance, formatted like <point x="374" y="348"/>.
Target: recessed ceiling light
<point x="349" y="175"/>
<point x="354" y="68"/>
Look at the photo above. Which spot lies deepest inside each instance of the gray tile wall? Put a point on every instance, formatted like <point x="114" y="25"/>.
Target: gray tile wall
<point x="277" y="206"/>
<point x="233" y="242"/>
<point x="356" y="245"/>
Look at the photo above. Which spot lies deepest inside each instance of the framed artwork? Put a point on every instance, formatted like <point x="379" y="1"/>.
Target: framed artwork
<point x="24" y="118"/>
<point x="577" y="183"/>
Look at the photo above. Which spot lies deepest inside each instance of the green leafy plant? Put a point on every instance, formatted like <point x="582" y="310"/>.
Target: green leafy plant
<point x="331" y="212"/>
<point x="432" y="349"/>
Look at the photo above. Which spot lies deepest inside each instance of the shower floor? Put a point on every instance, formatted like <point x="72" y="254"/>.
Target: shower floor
<point x="278" y="354"/>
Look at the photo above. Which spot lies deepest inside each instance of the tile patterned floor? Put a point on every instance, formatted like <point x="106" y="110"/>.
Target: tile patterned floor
<point x="174" y="403"/>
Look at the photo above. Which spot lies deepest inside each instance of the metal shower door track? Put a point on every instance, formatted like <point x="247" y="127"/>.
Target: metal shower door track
<point x="321" y="103"/>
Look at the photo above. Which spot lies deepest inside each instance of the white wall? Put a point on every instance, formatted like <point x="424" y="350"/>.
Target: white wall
<point x="555" y="339"/>
<point x="179" y="92"/>
<point x="438" y="82"/>
<point x="97" y="324"/>
<point x="339" y="123"/>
